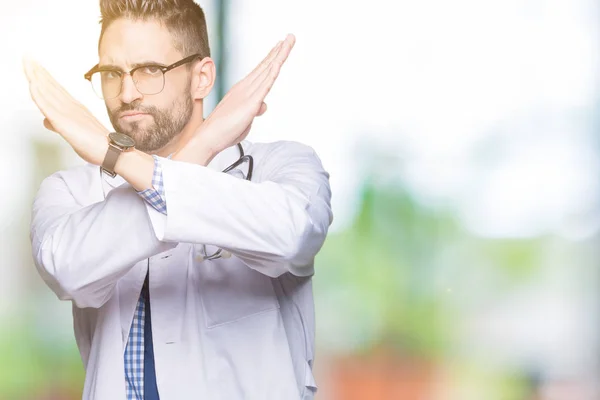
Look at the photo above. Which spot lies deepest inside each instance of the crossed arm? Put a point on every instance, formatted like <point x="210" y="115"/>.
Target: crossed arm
<point x="276" y="226"/>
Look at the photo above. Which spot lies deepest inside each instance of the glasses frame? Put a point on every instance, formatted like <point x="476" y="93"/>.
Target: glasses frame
<point x="162" y="68"/>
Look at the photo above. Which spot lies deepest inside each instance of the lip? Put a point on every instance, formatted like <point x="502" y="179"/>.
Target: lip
<point x="132" y="115"/>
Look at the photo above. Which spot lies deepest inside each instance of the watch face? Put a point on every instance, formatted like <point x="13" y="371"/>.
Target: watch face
<point x="121" y="139"/>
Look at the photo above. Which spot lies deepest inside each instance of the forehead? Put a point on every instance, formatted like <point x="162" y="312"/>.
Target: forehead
<point x="126" y="42"/>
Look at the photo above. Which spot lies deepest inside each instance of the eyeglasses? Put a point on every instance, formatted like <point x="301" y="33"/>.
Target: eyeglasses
<point x="148" y="79"/>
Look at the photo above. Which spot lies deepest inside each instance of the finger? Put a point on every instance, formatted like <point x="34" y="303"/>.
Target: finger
<point x="35" y="72"/>
<point x="264" y="63"/>
<point x="274" y="68"/>
<point x="278" y="57"/>
<point x="48" y="85"/>
<point x="263" y="88"/>
<point x="41" y="87"/>
<point x="48" y="104"/>
<point x="48" y="125"/>
<point x="53" y="91"/>
<point x="27" y="69"/>
<point x="262" y="110"/>
<point x="265" y="81"/>
<point x="48" y="81"/>
<point x="41" y="102"/>
<point x="252" y="76"/>
<point x="36" y="96"/>
<point x="44" y="99"/>
<point x="286" y="48"/>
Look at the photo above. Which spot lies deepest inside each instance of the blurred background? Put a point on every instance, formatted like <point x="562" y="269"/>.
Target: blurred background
<point x="462" y="142"/>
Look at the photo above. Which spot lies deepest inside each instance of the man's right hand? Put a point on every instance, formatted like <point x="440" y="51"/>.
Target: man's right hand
<point x="231" y="120"/>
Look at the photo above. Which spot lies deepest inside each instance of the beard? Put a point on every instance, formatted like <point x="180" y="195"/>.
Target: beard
<point x="168" y="123"/>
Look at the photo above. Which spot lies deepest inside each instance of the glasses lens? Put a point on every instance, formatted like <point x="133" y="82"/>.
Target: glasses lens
<point x="106" y="84"/>
<point x="149" y="80"/>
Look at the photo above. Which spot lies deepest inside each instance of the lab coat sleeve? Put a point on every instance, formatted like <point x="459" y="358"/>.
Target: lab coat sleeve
<point x="81" y="252"/>
<point x="275" y="225"/>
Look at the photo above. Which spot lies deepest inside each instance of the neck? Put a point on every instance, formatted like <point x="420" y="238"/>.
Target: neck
<point x="186" y="134"/>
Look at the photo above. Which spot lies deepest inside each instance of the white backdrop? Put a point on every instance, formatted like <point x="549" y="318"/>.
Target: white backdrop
<point x="485" y="106"/>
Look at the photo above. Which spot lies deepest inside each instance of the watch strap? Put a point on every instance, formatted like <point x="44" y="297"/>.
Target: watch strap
<point x="110" y="160"/>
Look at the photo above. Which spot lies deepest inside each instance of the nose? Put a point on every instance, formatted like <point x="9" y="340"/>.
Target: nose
<point x="129" y="92"/>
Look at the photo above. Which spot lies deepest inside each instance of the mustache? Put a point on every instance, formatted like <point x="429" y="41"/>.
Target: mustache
<point x="135" y="107"/>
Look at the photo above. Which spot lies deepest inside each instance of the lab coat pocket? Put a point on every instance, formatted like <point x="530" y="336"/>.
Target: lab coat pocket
<point x="230" y="291"/>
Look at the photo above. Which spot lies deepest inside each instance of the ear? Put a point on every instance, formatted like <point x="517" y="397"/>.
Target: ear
<point x="203" y="78"/>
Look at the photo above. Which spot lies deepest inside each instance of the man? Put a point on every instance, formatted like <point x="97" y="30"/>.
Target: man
<point x="186" y="282"/>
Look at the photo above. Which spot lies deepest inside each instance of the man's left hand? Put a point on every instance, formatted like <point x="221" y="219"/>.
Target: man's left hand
<point x="66" y="116"/>
<point x="232" y="118"/>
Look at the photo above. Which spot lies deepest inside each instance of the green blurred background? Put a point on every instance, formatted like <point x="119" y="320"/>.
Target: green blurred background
<point x="462" y="143"/>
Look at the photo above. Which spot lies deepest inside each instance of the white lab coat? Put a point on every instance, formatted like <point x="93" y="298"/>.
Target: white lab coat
<point x="235" y="328"/>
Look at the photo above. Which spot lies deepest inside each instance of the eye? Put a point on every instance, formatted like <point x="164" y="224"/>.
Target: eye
<point x="151" y="70"/>
<point x="111" y="74"/>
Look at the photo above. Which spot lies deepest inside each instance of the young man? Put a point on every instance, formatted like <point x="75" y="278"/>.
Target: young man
<point x="186" y="282"/>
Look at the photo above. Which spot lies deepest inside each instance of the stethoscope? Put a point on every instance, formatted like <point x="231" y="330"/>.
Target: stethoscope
<point x="220" y="253"/>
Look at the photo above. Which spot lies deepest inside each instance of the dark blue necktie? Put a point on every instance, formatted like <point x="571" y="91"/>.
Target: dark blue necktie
<point x="150" y="389"/>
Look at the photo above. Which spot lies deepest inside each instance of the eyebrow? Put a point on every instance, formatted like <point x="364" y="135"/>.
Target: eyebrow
<point x="112" y="67"/>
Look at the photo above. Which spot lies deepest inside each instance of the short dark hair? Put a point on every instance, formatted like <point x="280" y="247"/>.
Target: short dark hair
<point x="184" y="19"/>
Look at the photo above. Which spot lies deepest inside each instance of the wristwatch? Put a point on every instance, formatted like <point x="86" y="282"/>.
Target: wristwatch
<point x="117" y="143"/>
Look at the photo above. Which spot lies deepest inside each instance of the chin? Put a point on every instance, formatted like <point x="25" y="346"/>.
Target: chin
<point x="134" y="131"/>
